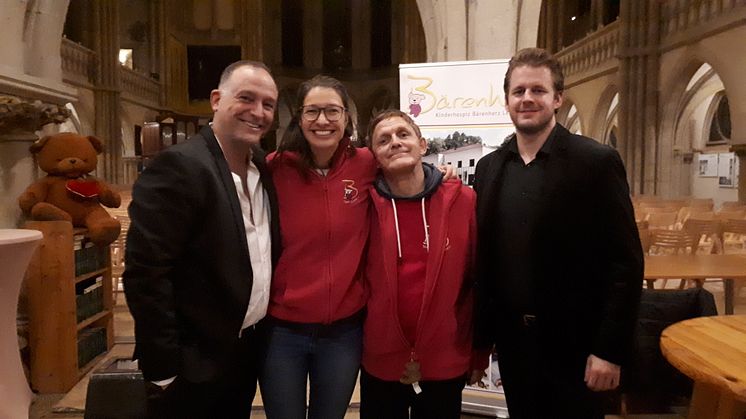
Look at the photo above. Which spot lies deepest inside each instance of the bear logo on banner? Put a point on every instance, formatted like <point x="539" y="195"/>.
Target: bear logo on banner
<point x="414" y="103"/>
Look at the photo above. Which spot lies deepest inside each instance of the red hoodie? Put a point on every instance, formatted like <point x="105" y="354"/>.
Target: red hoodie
<point x="324" y="226"/>
<point x="443" y="344"/>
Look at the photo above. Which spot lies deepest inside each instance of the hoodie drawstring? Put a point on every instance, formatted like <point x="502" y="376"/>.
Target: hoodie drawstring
<point x="424" y="223"/>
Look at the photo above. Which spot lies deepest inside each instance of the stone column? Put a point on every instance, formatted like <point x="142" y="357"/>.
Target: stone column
<point x="638" y="99"/>
<point x="488" y="21"/>
<point x="740" y="150"/>
<point x="598" y="9"/>
<point x="550" y="32"/>
<point x="272" y="32"/>
<point x="407" y="45"/>
<point x="650" y="28"/>
<point x="12" y="18"/>
<point x="45" y="22"/>
<point x="360" y="28"/>
<point x="313" y="34"/>
<point x="107" y="88"/>
<point x="252" y="29"/>
<point x="157" y="24"/>
<point x="561" y="18"/>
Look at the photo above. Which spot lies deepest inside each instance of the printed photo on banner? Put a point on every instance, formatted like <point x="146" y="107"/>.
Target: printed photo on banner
<point x="463" y="146"/>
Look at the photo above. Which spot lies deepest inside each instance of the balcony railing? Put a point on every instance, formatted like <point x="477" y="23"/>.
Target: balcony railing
<point x="139" y="87"/>
<point x="78" y="63"/>
<point x="596" y="51"/>
<point x="681" y="15"/>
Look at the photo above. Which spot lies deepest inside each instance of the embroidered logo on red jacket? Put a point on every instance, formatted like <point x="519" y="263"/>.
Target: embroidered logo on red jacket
<point x="350" y="192"/>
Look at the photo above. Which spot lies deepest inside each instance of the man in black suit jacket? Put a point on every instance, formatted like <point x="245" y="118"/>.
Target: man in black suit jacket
<point x="199" y="258"/>
<point x="559" y="258"/>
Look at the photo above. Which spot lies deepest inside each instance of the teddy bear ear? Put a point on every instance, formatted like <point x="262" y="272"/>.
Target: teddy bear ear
<point x="96" y="143"/>
<point x="38" y="144"/>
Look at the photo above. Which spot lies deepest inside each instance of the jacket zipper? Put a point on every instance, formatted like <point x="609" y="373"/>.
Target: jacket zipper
<point x="328" y="248"/>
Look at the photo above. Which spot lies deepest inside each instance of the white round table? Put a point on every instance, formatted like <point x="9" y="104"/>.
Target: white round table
<point x="16" y="249"/>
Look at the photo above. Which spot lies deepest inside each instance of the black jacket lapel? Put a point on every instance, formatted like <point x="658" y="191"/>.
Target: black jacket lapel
<point x="230" y="187"/>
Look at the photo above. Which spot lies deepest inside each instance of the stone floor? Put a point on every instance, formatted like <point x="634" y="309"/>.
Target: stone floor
<point x="71" y="405"/>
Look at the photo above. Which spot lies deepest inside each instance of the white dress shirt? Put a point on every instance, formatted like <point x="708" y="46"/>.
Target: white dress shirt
<point x="255" y="210"/>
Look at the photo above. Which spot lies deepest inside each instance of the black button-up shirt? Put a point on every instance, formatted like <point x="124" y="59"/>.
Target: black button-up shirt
<point x="518" y="206"/>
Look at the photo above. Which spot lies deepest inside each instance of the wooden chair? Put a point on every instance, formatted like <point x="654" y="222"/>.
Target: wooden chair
<point x="708" y="232"/>
<point x="707" y="203"/>
<point x="733" y="205"/>
<point x="731" y="214"/>
<point x="709" y="237"/>
<point x="671" y="242"/>
<point x="734" y="241"/>
<point x="644" y="198"/>
<point x="734" y="236"/>
<point x="702" y="213"/>
<point x="662" y="220"/>
<point x="117" y="256"/>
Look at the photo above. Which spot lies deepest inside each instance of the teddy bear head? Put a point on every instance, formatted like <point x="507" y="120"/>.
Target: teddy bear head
<point x="67" y="154"/>
<point x="415" y="98"/>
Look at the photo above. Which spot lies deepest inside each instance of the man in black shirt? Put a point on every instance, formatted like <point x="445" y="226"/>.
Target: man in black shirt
<point x="559" y="259"/>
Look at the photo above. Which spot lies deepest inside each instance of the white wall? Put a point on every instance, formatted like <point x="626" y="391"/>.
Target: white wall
<point x="707" y="187"/>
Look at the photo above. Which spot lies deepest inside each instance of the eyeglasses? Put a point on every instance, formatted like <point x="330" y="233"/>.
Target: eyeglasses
<point x="332" y="113"/>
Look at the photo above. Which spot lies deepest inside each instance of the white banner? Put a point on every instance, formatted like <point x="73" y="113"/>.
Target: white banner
<point x="460" y="108"/>
<point x="454" y="93"/>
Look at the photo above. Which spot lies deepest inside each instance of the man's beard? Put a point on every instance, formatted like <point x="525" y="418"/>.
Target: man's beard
<point x="532" y="128"/>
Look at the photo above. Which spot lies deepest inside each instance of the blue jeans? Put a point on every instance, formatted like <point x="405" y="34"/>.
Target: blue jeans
<point x="328" y="355"/>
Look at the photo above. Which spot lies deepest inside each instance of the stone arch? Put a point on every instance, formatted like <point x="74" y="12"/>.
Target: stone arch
<point x="448" y="39"/>
<point x="85" y="114"/>
<point x="604" y="115"/>
<point x="688" y="94"/>
<point x="611" y="128"/>
<point x="72" y="124"/>
<point x="441" y="44"/>
<point x="569" y="117"/>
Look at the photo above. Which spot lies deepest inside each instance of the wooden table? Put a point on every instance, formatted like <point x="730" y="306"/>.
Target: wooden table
<point x="729" y="267"/>
<point x="712" y="352"/>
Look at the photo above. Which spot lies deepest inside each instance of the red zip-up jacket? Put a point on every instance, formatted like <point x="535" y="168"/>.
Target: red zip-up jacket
<point x="443" y="345"/>
<point x="324" y="228"/>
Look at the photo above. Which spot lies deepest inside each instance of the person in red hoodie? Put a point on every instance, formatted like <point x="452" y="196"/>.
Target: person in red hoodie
<point x="417" y="340"/>
<point x="317" y="298"/>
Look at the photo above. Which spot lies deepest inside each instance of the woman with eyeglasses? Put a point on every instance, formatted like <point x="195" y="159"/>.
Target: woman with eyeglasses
<point x="315" y="314"/>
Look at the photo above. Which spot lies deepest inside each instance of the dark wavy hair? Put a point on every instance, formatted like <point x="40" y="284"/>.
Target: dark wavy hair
<point x="536" y="57"/>
<point x="293" y="139"/>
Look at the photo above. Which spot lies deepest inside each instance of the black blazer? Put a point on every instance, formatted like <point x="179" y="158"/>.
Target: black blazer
<point x="588" y="261"/>
<point x="188" y="275"/>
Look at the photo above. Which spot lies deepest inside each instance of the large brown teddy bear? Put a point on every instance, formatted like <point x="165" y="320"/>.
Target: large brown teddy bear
<point x="68" y="193"/>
